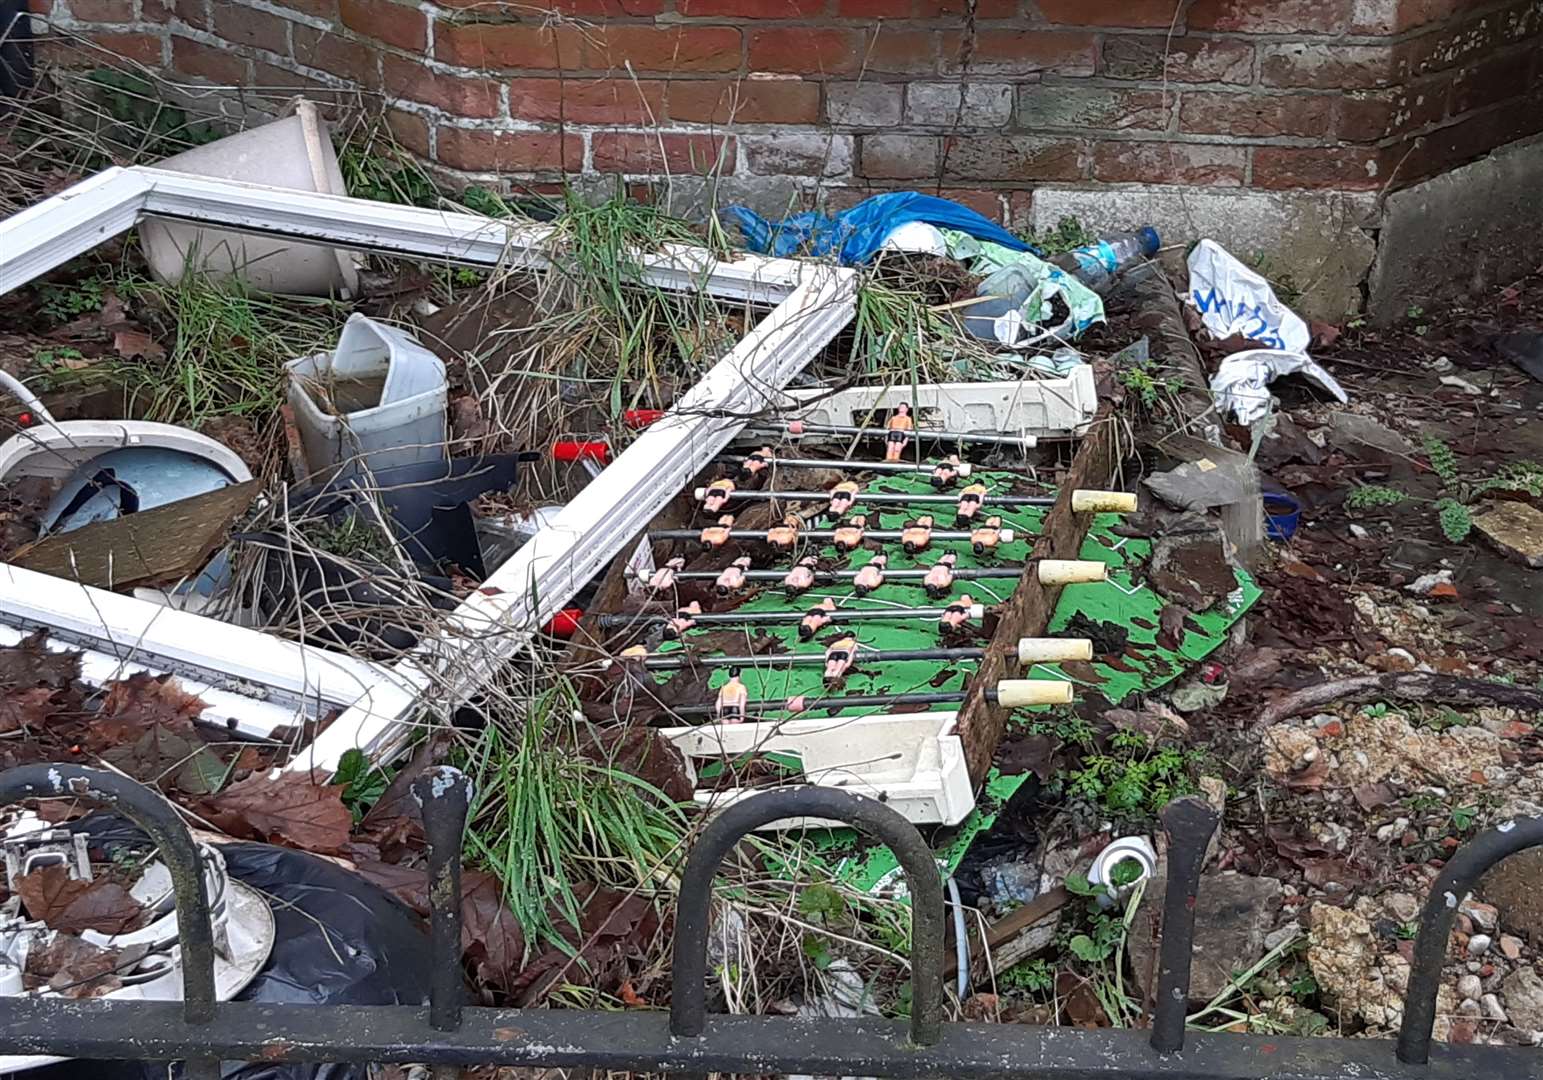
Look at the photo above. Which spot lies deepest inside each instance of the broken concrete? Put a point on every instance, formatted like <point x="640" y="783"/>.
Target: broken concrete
<point x="1353" y="971"/>
<point x="1462" y="232"/>
<point x="1516" y="529"/>
<point x="1318" y="239"/>
<point x="1233" y="915"/>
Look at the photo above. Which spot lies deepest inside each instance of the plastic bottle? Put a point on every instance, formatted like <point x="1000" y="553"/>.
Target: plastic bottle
<point x="1096" y="264"/>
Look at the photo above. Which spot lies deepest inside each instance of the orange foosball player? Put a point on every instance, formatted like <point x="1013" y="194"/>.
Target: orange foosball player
<point x="849" y="537"/>
<point x="684" y="619"/>
<point x="841" y="498"/>
<point x="956" y="615"/>
<point x="969" y="504"/>
<point x="783" y="537"/>
<point x="664" y="577"/>
<point x="946" y="471"/>
<point x="715" y="536"/>
<point x="718" y="493"/>
<point x="870" y="576"/>
<point x="838" y="661"/>
<point x="917" y="534"/>
<point x="900" y="427"/>
<point x="733" y="700"/>
<point x="732" y="579"/>
<point x="801" y="578"/>
<point x="816" y="619"/>
<point x="940" y="576"/>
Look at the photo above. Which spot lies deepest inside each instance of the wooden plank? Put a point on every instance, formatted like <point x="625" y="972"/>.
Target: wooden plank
<point x="155" y="546"/>
<point x="1027" y="612"/>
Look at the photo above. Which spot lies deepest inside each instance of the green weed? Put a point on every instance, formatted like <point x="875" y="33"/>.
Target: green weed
<point x="363" y="783"/>
<point x="1068" y="234"/>
<point x="1373" y="496"/>
<point x="1443" y="461"/>
<point x="1036" y="976"/>
<point x="548" y="818"/>
<point x="63" y="303"/>
<point x="1134" y="779"/>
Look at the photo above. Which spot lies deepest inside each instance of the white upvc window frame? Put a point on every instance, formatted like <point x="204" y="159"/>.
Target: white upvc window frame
<point x="255" y="682"/>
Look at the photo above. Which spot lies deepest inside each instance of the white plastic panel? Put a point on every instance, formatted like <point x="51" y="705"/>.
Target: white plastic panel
<point x="1046" y="408"/>
<point x="913" y="761"/>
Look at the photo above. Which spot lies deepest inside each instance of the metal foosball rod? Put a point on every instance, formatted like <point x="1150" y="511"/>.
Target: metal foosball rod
<point x="937" y="579"/>
<point x="847" y="651"/>
<point x="1083" y="501"/>
<point x="759" y="461"/>
<point x="777" y="618"/>
<point x="798" y="428"/>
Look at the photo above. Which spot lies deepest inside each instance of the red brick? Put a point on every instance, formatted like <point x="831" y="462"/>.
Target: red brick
<point x="1492" y="80"/>
<point x="507" y="45"/>
<point x="986" y="203"/>
<point x="898" y="157"/>
<point x="1270" y="16"/>
<point x="107" y="11"/>
<point x="637" y="152"/>
<point x="752" y="101"/>
<point x="1255" y="115"/>
<point x="331" y="52"/>
<point x="40" y="7"/>
<point x="806" y="51"/>
<point x="900" y="52"/>
<point x="248" y="26"/>
<point x="1283" y="167"/>
<point x="669" y="49"/>
<point x="1370" y="115"/>
<point x="1020" y="209"/>
<point x="144" y="48"/>
<point x="514" y="9"/>
<point x="458" y="95"/>
<point x="508" y="151"/>
<point x="1184" y="59"/>
<point x="380" y="20"/>
<point x="984" y="9"/>
<point x="874" y="9"/>
<point x="270" y="77"/>
<point x="1169" y="163"/>
<point x="1023" y="52"/>
<point x="1450" y="47"/>
<point x="1462" y="141"/>
<point x="587" y="100"/>
<point x="752" y="9"/>
<point x="1317" y="66"/>
<point x="1162" y="13"/>
<point x="1412" y="13"/>
<point x="1011" y="157"/>
<point x="410" y="130"/>
<point x="322" y="9"/>
<point x="217" y="65"/>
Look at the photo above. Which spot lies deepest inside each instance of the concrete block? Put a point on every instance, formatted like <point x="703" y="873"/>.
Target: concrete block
<point x="798" y="153"/>
<point x="1460" y="233"/>
<point x="985" y="104"/>
<point x="1319" y="239"/>
<point x="863" y="104"/>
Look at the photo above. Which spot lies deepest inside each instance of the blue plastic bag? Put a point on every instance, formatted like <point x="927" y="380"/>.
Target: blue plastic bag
<point x="856" y="234"/>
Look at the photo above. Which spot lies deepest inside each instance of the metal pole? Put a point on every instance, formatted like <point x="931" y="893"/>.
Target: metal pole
<point x="443" y="795"/>
<point x="759" y="618"/>
<point x="674" y="663"/>
<point x="937" y="535"/>
<point x="1027" y="442"/>
<point x="963" y="468"/>
<point x="1456" y="880"/>
<point x="883" y="498"/>
<point x="890" y="576"/>
<point x="1189" y="823"/>
<point x="150" y="811"/>
<point x="688" y="995"/>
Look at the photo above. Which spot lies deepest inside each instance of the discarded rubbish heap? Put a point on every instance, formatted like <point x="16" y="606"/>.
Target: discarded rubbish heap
<point x="802" y="589"/>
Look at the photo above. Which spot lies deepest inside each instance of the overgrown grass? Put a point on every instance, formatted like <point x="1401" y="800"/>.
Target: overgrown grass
<point x="227" y="348"/>
<point x="549" y="818"/>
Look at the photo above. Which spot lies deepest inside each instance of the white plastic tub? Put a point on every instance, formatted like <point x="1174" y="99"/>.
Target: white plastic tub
<point x="407" y="426"/>
<point x="293" y="152"/>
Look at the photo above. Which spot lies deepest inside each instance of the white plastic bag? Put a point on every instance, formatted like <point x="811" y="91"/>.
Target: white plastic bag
<point x="1240" y="384"/>
<point x="1232" y="299"/>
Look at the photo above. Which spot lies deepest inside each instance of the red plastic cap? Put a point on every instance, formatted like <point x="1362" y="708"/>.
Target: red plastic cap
<point x="578" y="450"/>
<point x="565" y="622"/>
<point x="641" y="418"/>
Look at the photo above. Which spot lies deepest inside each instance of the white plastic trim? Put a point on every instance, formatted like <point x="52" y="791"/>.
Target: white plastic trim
<point x="813" y="303"/>
<point x="1045" y="407"/>
<point x="913" y="761"/>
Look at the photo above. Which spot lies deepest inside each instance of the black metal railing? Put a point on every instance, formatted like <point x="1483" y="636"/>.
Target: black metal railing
<point x="447" y="1035"/>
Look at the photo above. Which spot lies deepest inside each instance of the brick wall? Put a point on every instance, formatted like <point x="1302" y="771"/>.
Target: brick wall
<point x="982" y="100"/>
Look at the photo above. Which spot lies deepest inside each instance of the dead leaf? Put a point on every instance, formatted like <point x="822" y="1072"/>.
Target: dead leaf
<point x="1170" y="620"/>
<point x="170" y="760"/>
<point x="75" y="968"/>
<point x="491" y="941"/>
<point x="72" y="906"/>
<point x="130" y="343"/>
<point x="287" y="809"/>
<point x="31" y="663"/>
<point x="645" y="754"/>
<point x="1323" y="334"/>
<point x="140" y="702"/>
<point x="26" y="708"/>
